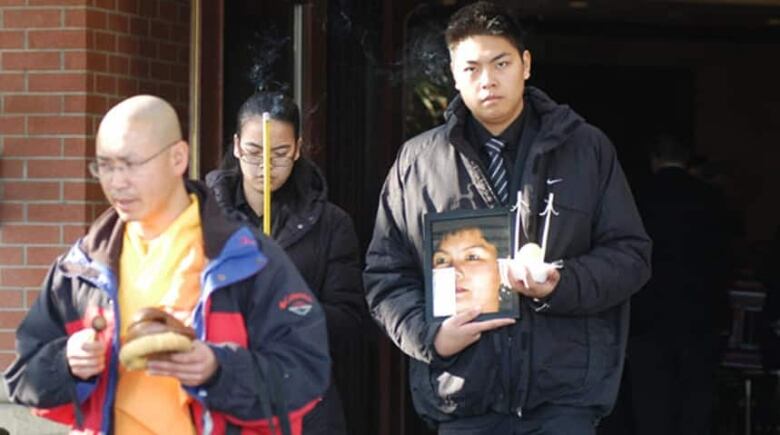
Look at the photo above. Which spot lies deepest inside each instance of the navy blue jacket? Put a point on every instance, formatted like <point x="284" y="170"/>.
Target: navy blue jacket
<point x="255" y="311"/>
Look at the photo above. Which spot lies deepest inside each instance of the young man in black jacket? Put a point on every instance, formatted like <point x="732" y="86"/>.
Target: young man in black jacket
<point x="556" y="369"/>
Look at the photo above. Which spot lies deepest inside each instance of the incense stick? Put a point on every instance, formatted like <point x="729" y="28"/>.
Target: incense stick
<point x="267" y="173"/>
<point x="548" y="212"/>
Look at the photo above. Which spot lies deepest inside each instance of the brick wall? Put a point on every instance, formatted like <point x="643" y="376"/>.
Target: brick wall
<point x="62" y="64"/>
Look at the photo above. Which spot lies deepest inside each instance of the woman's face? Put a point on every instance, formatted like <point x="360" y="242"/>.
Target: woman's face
<point x="475" y="261"/>
<point x="248" y="149"/>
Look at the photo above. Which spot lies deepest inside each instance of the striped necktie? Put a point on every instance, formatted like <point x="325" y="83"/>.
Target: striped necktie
<point x="497" y="169"/>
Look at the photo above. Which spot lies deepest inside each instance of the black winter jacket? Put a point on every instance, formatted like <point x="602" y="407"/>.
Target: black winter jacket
<point x="255" y="312"/>
<point x="317" y="235"/>
<point x="320" y="239"/>
<point x="567" y="351"/>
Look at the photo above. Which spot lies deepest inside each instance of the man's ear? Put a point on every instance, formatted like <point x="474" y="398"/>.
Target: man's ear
<point x="236" y="145"/>
<point x="298" y="146"/>
<point x="526" y="64"/>
<point x="181" y="156"/>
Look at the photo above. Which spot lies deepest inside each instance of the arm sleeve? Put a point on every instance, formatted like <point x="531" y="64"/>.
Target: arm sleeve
<point x="393" y="279"/>
<point x="287" y="350"/>
<point x="341" y="294"/>
<point x="618" y="263"/>
<point x="40" y="376"/>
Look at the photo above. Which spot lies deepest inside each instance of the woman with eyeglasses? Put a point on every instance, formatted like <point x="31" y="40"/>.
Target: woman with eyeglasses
<point x="318" y="236"/>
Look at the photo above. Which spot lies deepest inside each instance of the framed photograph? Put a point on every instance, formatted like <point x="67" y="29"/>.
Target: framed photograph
<point x="466" y="253"/>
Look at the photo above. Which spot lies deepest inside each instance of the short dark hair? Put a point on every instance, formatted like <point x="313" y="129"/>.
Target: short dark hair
<point x="483" y="18"/>
<point x="278" y="104"/>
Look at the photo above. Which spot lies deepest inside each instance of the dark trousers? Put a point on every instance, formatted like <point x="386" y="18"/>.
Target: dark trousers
<point x="672" y="384"/>
<point x="544" y="420"/>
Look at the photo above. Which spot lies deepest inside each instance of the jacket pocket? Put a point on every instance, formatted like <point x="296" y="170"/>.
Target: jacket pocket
<point x="560" y="355"/>
<point x="466" y="387"/>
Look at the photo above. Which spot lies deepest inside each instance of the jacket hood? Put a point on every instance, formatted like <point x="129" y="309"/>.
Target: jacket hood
<point x="558" y="121"/>
<point x="296" y="206"/>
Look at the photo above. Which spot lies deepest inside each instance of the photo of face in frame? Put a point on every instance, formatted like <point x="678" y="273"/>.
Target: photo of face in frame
<point x="466" y="252"/>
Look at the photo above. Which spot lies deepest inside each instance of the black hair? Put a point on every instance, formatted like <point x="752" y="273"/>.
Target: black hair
<point x="483" y="18"/>
<point x="279" y="105"/>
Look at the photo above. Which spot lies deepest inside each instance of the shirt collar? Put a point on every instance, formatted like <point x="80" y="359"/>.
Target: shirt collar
<point x="510" y="136"/>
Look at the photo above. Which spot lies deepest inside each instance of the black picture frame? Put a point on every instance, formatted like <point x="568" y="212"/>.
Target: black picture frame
<point x="471" y="237"/>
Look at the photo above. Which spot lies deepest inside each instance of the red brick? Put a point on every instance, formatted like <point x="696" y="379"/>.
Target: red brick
<point x="30" y="190"/>
<point x="11" y="39"/>
<point x="57" y="125"/>
<point x="139" y="67"/>
<point x="32" y="146"/>
<point x="94" y="62"/>
<point x="63" y="82"/>
<point x="148" y="8"/>
<point x="105" y="4"/>
<point x="180" y="34"/>
<point x="139" y="27"/>
<point x="8" y="339"/>
<point x="118" y="65"/>
<point x="25" y="19"/>
<point x="161" y="30"/>
<point x="12" y="2"/>
<point x="86" y="18"/>
<point x="128" y="6"/>
<point x="6" y="359"/>
<point x="57" y="39"/>
<point x="11" y="168"/>
<point x="83" y="191"/>
<point x="129" y="45"/>
<point x="11" y="125"/>
<point x="148" y="48"/>
<point x="118" y="23"/>
<point x="10" y="212"/>
<point x="85" y="104"/>
<point x="148" y="87"/>
<point x="21" y="277"/>
<point x="43" y="255"/>
<point x="161" y="71"/>
<point x="62" y="168"/>
<point x="12" y="319"/>
<point x="30" y="234"/>
<point x="105" y="84"/>
<point x="59" y="2"/>
<point x="30" y="296"/>
<point x="105" y="41"/>
<point x="32" y="104"/>
<point x="11" y="299"/>
<point x="11" y="256"/>
<point x="126" y="87"/>
<point x="58" y="213"/>
<point x="78" y="147"/>
<point x="168" y="10"/>
<point x="180" y="73"/>
<point x="11" y="82"/>
<point x="71" y="233"/>
<point x="31" y="60"/>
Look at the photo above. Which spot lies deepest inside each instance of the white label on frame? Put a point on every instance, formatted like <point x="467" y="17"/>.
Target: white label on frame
<point x="444" y="288"/>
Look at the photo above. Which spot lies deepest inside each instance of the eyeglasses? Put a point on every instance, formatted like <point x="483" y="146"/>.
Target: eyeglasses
<point x="104" y="168"/>
<point x="280" y="160"/>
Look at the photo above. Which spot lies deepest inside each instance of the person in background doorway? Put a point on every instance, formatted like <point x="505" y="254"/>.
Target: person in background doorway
<point x="317" y="235"/>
